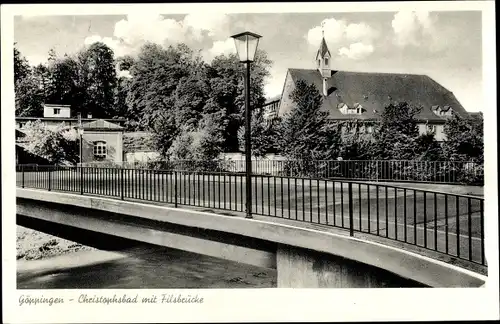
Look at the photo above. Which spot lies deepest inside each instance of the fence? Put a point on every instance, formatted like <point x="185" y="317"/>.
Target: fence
<point x="458" y="172"/>
<point x="450" y="224"/>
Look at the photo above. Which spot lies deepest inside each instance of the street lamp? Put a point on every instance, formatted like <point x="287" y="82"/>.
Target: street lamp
<point x="246" y="46"/>
<point x="80" y="133"/>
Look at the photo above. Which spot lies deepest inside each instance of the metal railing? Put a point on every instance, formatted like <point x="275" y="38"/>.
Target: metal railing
<point x="374" y="170"/>
<point x="452" y="172"/>
<point x="450" y="224"/>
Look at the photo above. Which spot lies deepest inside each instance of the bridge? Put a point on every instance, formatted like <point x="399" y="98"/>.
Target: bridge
<point x="314" y="232"/>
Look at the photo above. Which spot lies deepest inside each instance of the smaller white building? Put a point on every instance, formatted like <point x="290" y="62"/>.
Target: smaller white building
<point x="61" y="111"/>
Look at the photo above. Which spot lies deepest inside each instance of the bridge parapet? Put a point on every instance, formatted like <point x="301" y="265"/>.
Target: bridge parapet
<point x="298" y="253"/>
<point x="451" y="225"/>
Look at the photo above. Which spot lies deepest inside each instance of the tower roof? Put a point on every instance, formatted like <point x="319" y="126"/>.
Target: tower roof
<point x="323" y="49"/>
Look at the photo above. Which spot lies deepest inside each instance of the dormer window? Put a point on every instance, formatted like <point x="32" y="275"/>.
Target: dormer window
<point x="442" y="111"/>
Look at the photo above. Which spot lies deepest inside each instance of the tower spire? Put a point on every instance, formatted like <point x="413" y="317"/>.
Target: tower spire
<point x="323" y="60"/>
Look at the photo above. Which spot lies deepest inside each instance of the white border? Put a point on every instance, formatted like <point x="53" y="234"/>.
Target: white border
<point x="267" y="304"/>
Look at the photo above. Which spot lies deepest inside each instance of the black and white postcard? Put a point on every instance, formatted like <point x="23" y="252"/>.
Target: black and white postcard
<point x="249" y="162"/>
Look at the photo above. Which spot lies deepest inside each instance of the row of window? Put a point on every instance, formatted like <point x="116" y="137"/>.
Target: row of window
<point x="369" y="129"/>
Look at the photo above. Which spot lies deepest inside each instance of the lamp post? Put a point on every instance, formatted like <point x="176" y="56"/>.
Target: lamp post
<point x="80" y="133"/>
<point x="246" y="46"/>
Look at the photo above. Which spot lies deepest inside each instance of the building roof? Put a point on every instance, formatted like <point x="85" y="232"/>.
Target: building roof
<point x="56" y="105"/>
<point x="18" y="118"/>
<point x="375" y="91"/>
<point x="101" y="124"/>
<point x="323" y="49"/>
<point x="476" y="115"/>
<point x="272" y="99"/>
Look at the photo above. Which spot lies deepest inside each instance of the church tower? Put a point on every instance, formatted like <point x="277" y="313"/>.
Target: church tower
<point x="323" y="61"/>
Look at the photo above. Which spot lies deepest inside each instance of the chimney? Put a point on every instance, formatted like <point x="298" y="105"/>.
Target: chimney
<point x="325" y="87"/>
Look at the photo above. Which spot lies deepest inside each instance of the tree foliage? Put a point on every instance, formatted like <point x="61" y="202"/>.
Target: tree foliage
<point x="56" y="146"/>
<point x="304" y="132"/>
<point x="87" y="81"/>
<point x="395" y="137"/>
<point x="464" y="139"/>
<point x="97" y="80"/>
<point x="263" y="135"/>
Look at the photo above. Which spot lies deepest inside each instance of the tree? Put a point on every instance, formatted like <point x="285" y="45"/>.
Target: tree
<point x="397" y="132"/>
<point x="204" y="144"/>
<point x="57" y="146"/>
<point x="63" y="87"/>
<point x="97" y="80"/>
<point x="226" y="80"/>
<point x="29" y="97"/>
<point x="427" y="148"/>
<point x="263" y="135"/>
<point x="21" y="66"/>
<point x="464" y="139"/>
<point x="356" y="146"/>
<point x="305" y="133"/>
<point x="190" y="98"/>
<point x="156" y="74"/>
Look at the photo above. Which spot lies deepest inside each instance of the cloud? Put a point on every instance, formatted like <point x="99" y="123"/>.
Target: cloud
<point x="214" y="24"/>
<point x="220" y="47"/>
<point x="352" y="40"/>
<point x="138" y="28"/>
<point x="118" y="47"/>
<point x="413" y="28"/>
<point x="36" y="59"/>
<point x="356" y="51"/>
<point x="339" y="32"/>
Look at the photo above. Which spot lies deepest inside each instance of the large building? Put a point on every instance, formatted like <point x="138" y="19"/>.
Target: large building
<point x="363" y="96"/>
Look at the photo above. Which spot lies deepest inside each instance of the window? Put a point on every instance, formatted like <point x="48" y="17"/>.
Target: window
<point x="431" y="128"/>
<point x="57" y="111"/>
<point x="319" y="63"/>
<point x="100" y="149"/>
<point x="326" y="61"/>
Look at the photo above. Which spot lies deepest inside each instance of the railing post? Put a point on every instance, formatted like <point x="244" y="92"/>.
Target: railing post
<point x="49" y="178"/>
<point x="175" y="187"/>
<point x="351" y="213"/>
<point x="22" y="171"/>
<point x="81" y="179"/>
<point x="121" y="183"/>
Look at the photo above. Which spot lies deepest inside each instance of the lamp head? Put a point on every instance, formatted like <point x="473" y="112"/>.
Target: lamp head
<point x="246" y="45"/>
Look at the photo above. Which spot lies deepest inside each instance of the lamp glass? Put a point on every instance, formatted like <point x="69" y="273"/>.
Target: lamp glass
<point x="246" y="46"/>
<point x="80" y="131"/>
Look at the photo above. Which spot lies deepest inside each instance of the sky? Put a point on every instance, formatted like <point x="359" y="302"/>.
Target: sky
<point x="445" y="45"/>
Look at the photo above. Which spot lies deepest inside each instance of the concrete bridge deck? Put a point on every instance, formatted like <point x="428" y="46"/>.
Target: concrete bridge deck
<point x="291" y="236"/>
<point x="439" y="222"/>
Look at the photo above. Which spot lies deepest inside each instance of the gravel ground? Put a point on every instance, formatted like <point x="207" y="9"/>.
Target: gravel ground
<point x="34" y="245"/>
